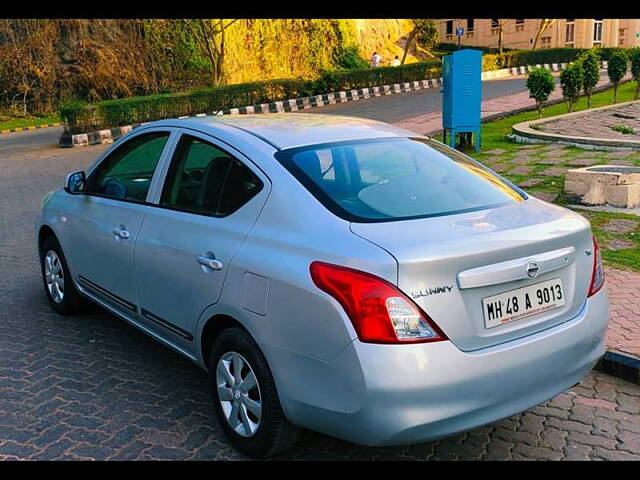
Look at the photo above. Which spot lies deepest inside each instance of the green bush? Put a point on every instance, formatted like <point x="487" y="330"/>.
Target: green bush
<point x="540" y="84"/>
<point x="624" y="129"/>
<point x="616" y="69"/>
<point x="490" y="62"/>
<point x="571" y="80"/>
<point x="635" y="70"/>
<point x="83" y="117"/>
<point x="451" y="47"/>
<point x="349" y="58"/>
<point x="591" y="72"/>
<point x="517" y="58"/>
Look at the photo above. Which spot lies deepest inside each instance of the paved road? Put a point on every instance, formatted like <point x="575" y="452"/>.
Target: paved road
<point x="92" y="387"/>
<point x="398" y="107"/>
<point x="390" y="108"/>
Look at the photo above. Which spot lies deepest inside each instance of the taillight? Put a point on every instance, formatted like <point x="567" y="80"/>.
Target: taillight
<point x="379" y="312"/>
<point x="597" y="277"/>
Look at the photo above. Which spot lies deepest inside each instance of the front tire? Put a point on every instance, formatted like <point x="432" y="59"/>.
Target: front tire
<point x="245" y="397"/>
<point x="58" y="284"/>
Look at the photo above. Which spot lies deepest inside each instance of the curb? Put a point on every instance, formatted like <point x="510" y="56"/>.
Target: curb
<point x="303" y="103"/>
<point x="620" y="365"/>
<point x="31" y="127"/>
<point x="525" y="133"/>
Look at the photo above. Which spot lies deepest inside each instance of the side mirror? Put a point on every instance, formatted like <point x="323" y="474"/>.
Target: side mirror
<point x="75" y="183"/>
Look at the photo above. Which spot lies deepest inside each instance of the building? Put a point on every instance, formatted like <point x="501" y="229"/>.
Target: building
<point x="521" y="33"/>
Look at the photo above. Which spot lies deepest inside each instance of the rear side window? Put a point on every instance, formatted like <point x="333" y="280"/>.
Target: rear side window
<point x="205" y="179"/>
<point x="395" y="179"/>
<point x="127" y="172"/>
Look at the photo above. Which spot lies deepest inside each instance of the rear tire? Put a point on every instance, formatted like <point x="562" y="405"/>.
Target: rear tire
<point x="257" y="432"/>
<point x="58" y="284"/>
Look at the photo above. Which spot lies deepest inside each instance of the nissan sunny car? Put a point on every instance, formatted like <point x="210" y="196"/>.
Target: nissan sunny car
<point x="330" y="273"/>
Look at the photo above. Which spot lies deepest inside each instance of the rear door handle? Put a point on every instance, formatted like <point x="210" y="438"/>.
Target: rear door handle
<point x="121" y="233"/>
<point x="209" y="260"/>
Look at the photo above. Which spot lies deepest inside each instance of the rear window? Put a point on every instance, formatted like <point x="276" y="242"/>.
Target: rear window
<point x="395" y="179"/>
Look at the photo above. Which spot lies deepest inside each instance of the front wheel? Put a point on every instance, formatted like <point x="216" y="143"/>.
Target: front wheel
<point x="245" y="396"/>
<point x="58" y="285"/>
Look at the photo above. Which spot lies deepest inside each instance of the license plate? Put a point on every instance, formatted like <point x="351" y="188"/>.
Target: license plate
<point x="522" y="302"/>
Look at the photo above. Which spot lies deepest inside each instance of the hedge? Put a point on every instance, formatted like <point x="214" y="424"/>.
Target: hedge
<point x="83" y="117"/>
<point x="450" y="47"/>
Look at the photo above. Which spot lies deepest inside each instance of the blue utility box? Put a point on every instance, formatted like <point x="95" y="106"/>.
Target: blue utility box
<point x="462" y="94"/>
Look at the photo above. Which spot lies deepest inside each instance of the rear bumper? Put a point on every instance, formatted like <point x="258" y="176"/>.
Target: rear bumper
<point x="401" y="394"/>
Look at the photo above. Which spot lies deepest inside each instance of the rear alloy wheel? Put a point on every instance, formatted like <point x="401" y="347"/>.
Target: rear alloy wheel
<point x="245" y="398"/>
<point x="239" y="393"/>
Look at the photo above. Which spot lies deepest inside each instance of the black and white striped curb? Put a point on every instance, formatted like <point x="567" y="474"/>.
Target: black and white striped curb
<point x="303" y="103"/>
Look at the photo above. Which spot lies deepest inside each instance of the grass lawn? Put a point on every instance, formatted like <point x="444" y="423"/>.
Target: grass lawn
<point x="7" y="123"/>
<point x="540" y="170"/>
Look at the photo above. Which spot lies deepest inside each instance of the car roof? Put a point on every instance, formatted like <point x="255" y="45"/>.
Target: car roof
<point x="287" y="130"/>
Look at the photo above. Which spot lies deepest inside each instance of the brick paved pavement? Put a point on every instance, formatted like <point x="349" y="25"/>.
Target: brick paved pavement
<point x="92" y="387"/>
<point x="623" y="289"/>
<point x="598" y="123"/>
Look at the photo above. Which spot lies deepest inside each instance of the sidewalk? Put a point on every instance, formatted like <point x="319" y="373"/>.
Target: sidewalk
<point x="431" y="123"/>
<point x="623" y="289"/>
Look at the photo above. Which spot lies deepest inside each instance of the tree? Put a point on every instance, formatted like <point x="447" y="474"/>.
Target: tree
<point x="635" y="70"/>
<point x="501" y="24"/>
<point x="544" y="25"/>
<point x="540" y="84"/>
<point x="210" y="34"/>
<point x="425" y="30"/>
<point x="590" y="61"/>
<point x="571" y="80"/>
<point x="616" y="69"/>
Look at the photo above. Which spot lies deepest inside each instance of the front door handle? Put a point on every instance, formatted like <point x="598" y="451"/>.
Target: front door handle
<point x="209" y="260"/>
<point x="121" y="233"/>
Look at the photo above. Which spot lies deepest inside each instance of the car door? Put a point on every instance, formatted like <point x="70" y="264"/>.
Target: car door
<point x="104" y="222"/>
<point x="210" y="198"/>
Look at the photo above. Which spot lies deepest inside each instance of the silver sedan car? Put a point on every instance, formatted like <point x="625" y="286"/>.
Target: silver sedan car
<point x="331" y="273"/>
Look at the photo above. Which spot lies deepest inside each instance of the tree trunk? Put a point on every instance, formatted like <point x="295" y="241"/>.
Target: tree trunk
<point x="407" y="45"/>
<point x="539" y="106"/>
<point x="538" y="33"/>
<point x="615" y="92"/>
<point x="221" y="78"/>
<point x="500" y="35"/>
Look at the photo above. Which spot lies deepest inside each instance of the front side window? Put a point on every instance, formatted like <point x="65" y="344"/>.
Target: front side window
<point x="127" y="172"/>
<point x="206" y="180"/>
<point x="395" y="179"/>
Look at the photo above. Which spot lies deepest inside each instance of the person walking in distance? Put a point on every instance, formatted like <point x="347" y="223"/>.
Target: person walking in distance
<point x="376" y="59"/>
<point x="395" y="62"/>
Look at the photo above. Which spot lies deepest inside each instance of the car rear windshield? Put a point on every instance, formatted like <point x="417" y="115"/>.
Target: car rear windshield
<point x="396" y="179"/>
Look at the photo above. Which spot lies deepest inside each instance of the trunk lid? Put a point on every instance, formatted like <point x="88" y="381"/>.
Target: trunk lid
<point x="449" y="264"/>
